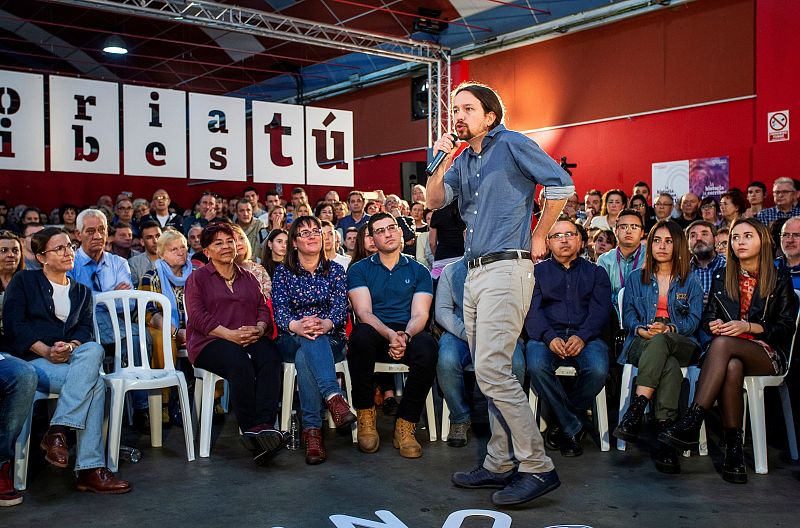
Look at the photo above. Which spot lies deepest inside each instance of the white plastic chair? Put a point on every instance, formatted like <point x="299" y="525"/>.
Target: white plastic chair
<point x="399" y="368"/>
<point x="754" y="400"/>
<point x="142" y="377"/>
<point x="22" y="447"/>
<point x="600" y="411"/>
<point x="691" y="373"/>
<point x="289" y="378"/>
<point x="204" y="387"/>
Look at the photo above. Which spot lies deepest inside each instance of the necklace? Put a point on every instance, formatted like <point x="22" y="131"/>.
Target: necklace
<point x="230" y="279"/>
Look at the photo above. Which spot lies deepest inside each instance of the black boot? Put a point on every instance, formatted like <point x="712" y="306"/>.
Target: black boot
<point x="733" y="469"/>
<point x="684" y="435"/>
<point x="666" y="457"/>
<point x="628" y="428"/>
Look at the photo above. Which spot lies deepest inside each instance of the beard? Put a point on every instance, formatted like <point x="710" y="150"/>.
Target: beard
<point x="702" y="250"/>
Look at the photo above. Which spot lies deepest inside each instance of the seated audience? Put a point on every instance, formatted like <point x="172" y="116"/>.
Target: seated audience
<point x="784" y="192"/>
<point x="310" y="300"/>
<point x="324" y="211"/>
<point x="329" y="245"/>
<point x="663" y="207"/>
<point x="418" y="193"/>
<point x="721" y="242"/>
<point x="454" y="354"/>
<point x="661" y="311"/>
<point x="254" y="230"/>
<point x="614" y="202"/>
<point x="341" y="210"/>
<point x="705" y="261"/>
<point x="418" y="214"/>
<point x="67" y="214"/>
<point x="569" y="311"/>
<point x="28" y="230"/>
<point x="244" y="259"/>
<point x="101" y="271"/>
<point x="228" y="324"/>
<point x="274" y="250"/>
<point x="122" y="241"/>
<point x="690" y="210"/>
<point x="10" y="263"/>
<point x="391" y="297"/>
<point x="732" y="205"/>
<point x="750" y="336"/>
<point x="709" y="210"/>
<point x="18" y="382"/>
<point x="592" y="204"/>
<point x="54" y="332"/>
<point x="206" y="213"/>
<point x="357" y="216"/>
<point x="123" y="212"/>
<point x="277" y="218"/>
<point x="756" y="194"/>
<point x="144" y="262"/>
<point x="638" y="203"/>
<point x="790" y="244"/>
<point x="629" y="254"/>
<point x="350" y="241"/>
<point x="161" y="212"/>
<point x="603" y="241"/>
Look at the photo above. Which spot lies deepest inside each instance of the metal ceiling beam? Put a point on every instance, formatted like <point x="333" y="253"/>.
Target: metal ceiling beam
<point x="270" y="25"/>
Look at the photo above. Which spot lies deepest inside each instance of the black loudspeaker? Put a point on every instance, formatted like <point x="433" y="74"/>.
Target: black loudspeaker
<point x="419" y="97"/>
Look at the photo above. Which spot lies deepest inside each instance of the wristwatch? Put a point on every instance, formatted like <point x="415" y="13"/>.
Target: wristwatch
<point x="408" y="336"/>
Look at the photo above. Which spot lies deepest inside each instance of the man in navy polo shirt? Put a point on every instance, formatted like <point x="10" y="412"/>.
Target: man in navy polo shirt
<point x="391" y="295"/>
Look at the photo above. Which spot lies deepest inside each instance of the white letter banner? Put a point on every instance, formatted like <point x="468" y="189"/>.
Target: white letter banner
<point x="154" y="131"/>
<point x="329" y="147"/>
<point x="21" y="121"/>
<point x="84" y="126"/>
<point x="217" y="149"/>
<point x="278" y="143"/>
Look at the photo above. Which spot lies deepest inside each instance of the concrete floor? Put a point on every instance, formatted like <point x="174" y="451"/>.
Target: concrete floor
<point x="599" y="489"/>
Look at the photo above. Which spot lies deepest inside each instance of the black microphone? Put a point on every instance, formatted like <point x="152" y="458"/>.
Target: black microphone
<point x="438" y="158"/>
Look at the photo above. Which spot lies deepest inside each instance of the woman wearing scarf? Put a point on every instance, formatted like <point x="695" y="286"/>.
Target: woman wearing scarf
<point x="168" y="278"/>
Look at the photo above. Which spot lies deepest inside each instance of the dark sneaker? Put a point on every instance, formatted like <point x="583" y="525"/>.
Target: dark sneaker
<point x="457" y="437"/>
<point x="526" y="487"/>
<point x="264" y="444"/>
<point x="481" y="477"/>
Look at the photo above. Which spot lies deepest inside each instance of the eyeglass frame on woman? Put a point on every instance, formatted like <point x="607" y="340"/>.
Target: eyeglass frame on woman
<point x="308" y="233"/>
<point x="62" y="250"/>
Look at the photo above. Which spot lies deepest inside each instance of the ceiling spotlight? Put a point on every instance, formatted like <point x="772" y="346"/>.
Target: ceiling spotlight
<point x="115" y="46"/>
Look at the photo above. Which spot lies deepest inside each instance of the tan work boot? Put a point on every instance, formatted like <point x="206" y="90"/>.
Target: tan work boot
<point x="404" y="439"/>
<point x="368" y="439"/>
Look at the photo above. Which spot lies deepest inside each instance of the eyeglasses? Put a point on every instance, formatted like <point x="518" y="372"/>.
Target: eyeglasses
<point x="309" y="233"/>
<point x="781" y="193"/>
<point x="629" y="227"/>
<point x="61" y="250"/>
<point x="662" y="204"/>
<point x="391" y="228"/>
<point x="795" y="236"/>
<point x="639" y="206"/>
<point x="160" y="197"/>
<point x="13" y="250"/>
<point x="569" y="235"/>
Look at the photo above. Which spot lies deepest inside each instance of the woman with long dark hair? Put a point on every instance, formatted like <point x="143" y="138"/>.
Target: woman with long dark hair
<point x="310" y="301"/>
<point x="274" y="250"/>
<point x="661" y="311"/>
<point x="750" y="316"/>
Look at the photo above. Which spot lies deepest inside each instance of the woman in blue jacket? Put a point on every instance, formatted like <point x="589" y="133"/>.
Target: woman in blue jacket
<point x="661" y="311"/>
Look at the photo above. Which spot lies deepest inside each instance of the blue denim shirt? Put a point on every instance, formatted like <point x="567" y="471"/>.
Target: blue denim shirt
<point x="684" y="304"/>
<point x="495" y="190"/>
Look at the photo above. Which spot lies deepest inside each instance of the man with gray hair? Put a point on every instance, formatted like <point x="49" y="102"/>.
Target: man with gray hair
<point x="790" y="244"/>
<point x="101" y="271"/>
<point x="785" y="193"/>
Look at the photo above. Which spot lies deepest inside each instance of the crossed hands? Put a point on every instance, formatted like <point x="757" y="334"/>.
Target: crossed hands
<point x="397" y="345"/>
<point x="731" y="328"/>
<point x="569" y="348"/>
<point x="245" y="335"/>
<point x="311" y="327"/>
<point x="60" y="352"/>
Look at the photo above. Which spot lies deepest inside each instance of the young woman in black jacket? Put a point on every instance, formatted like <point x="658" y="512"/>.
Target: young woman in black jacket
<point x="750" y="317"/>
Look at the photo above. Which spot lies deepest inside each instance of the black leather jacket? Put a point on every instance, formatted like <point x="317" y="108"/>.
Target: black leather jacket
<point x="777" y="314"/>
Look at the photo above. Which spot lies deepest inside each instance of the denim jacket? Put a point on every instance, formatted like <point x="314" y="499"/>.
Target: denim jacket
<point x="684" y="304"/>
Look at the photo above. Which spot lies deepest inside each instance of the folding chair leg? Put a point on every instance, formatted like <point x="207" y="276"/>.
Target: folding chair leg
<point x="22" y="454"/>
<point x="289" y="373"/>
<point x="445" y="420"/>
<point x="601" y="416"/>
<point x="431" y="413"/>
<point x="348" y="387"/>
<point x="206" y="409"/>
<point x="757" y="416"/>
